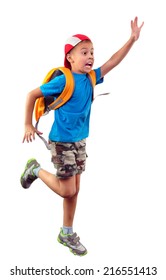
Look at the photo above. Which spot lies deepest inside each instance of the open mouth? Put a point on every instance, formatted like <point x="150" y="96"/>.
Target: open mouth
<point x="89" y="64"/>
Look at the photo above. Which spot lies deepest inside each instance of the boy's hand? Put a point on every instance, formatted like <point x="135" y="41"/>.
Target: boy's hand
<point x="135" y="30"/>
<point x="29" y="134"/>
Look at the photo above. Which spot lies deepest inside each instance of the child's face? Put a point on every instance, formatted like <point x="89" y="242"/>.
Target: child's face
<point x="81" y="58"/>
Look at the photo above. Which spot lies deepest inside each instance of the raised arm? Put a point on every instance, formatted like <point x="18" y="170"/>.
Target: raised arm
<point x="117" y="57"/>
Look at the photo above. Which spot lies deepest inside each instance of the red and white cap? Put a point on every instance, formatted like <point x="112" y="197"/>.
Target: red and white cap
<point x="71" y="43"/>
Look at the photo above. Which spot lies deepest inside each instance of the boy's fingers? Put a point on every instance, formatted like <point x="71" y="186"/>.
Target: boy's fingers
<point x="141" y="25"/>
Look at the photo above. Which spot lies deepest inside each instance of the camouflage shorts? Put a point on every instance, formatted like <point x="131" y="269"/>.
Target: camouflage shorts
<point x="68" y="158"/>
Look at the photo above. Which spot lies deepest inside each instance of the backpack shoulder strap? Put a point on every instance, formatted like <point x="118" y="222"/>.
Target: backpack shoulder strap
<point x="67" y="92"/>
<point x="92" y="76"/>
<point x="61" y="99"/>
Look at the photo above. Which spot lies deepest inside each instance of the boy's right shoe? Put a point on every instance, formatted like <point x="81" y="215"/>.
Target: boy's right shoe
<point x="28" y="177"/>
<point x="73" y="242"/>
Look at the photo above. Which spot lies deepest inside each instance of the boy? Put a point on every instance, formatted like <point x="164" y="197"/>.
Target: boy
<point x="70" y="128"/>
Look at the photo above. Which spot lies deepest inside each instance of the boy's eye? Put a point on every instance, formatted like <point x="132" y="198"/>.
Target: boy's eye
<point x="85" y="52"/>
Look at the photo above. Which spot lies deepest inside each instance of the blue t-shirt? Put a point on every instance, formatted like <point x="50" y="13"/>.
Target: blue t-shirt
<point x="71" y="121"/>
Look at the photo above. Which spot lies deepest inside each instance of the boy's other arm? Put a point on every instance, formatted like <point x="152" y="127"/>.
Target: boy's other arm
<point x="117" y="57"/>
<point x="30" y="130"/>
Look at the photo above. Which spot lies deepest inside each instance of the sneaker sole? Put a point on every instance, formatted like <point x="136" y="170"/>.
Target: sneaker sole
<point x="71" y="250"/>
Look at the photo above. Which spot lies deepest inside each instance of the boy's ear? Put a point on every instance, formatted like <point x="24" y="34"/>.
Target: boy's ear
<point x="68" y="57"/>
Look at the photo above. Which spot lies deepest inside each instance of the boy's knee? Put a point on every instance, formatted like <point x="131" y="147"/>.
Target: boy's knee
<point x="68" y="193"/>
<point x="68" y="188"/>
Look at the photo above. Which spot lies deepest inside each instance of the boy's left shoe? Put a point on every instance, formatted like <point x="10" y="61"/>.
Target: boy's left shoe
<point x="28" y="177"/>
<point x="72" y="241"/>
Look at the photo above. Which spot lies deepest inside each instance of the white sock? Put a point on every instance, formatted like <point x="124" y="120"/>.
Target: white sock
<point x="36" y="170"/>
<point x="67" y="230"/>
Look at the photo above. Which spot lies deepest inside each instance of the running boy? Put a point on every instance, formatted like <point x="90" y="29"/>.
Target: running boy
<point x="70" y="128"/>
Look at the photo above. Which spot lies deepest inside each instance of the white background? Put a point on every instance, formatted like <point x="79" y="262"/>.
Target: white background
<point x="121" y="208"/>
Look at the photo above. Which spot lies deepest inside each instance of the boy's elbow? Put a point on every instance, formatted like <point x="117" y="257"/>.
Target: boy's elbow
<point x="34" y="94"/>
<point x="107" y="68"/>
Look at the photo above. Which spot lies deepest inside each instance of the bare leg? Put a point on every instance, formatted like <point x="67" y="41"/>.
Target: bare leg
<point x="69" y="205"/>
<point x="66" y="188"/>
<point x="62" y="187"/>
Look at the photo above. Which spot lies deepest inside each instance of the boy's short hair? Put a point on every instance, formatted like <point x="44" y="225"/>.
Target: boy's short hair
<point x="71" y="43"/>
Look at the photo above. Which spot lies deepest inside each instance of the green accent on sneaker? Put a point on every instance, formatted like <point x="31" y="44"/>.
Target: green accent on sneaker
<point x="72" y="241"/>
<point x="28" y="177"/>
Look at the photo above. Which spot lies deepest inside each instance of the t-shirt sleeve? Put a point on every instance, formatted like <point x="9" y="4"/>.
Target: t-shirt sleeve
<point x="99" y="80"/>
<point x="54" y="87"/>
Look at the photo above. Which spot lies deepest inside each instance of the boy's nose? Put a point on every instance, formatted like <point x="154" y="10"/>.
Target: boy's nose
<point x="90" y="55"/>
